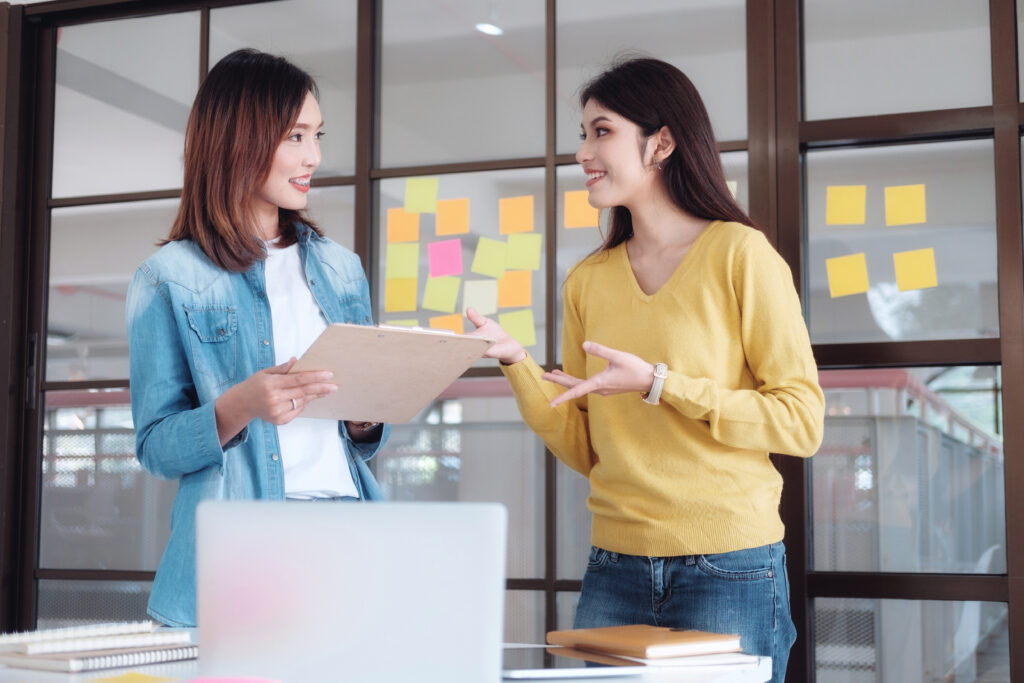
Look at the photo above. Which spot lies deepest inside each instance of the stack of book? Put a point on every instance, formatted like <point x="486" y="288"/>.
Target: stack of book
<point x="651" y="645"/>
<point x="96" y="646"/>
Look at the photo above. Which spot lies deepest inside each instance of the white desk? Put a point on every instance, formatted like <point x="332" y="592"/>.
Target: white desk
<point x="184" y="671"/>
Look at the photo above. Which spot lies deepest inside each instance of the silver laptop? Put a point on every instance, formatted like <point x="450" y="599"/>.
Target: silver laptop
<point x="355" y="592"/>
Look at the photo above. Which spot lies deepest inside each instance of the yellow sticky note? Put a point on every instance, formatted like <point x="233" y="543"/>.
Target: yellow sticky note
<point x="403" y="260"/>
<point x="847" y="275"/>
<point x="845" y="204"/>
<point x="452" y="216"/>
<point x="523" y="251"/>
<point x="514" y="289"/>
<point x="520" y="325"/>
<point x="403" y="322"/>
<point x="400" y="295"/>
<point x="489" y="258"/>
<point x="131" y="677"/>
<point x="481" y="295"/>
<point x="578" y="211"/>
<point x="421" y="195"/>
<point x="915" y="269"/>
<point x="403" y="226"/>
<point x="448" y="322"/>
<point x="515" y="214"/>
<point x="904" y="204"/>
<point x="441" y="293"/>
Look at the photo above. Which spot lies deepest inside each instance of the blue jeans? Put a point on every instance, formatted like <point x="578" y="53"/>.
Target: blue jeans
<point x="744" y="592"/>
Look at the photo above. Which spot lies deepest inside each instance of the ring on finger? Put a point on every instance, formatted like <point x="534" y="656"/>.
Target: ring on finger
<point x="295" y="404"/>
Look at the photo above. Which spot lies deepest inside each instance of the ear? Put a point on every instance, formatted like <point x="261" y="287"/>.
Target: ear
<point x="662" y="144"/>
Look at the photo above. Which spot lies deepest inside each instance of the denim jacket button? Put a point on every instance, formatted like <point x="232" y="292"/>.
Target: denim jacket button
<point x="367" y="319"/>
<point x="275" y="457"/>
<point x="312" y="283"/>
<point x="266" y="342"/>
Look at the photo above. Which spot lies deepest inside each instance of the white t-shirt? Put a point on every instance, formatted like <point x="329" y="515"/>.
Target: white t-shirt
<point x="312" y="451"/>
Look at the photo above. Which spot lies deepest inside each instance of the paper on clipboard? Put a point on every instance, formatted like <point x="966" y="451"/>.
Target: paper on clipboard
<point x="386" y="374"/>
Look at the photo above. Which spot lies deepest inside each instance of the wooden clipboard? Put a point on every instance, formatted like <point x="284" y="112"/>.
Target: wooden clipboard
<point x="385" y="373"/>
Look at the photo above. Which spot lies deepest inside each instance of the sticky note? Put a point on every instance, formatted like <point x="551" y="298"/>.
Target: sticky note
<point x="514" y="289"/>
<point x="131" y="677"/>
<point x="403" y="322"/>
<point x="441" y="294"/>
<point x="515" y="214"/>
<point x="403" y="260"/>
<point x="733" y="187"/>
<point x="520" y="325"/>
<point x="452" y="216"/>
<point x="400" y="295"/>
<point x="445" y="257"/>
<point x="481" y="295"/>
<point x="845" y="204"/>
<point x="403" y="226"/>
<point x="218" y="679"/>
<point x="489" y="258"/>
<point x="578" y="211"/>
<point x="448" y="322"/>
<point x="421" y="195"/>
<point x="523" y="251"/>
<point x="847" y="275"/>
<point x="915" y="269"/>
<point x="904" y="204"/>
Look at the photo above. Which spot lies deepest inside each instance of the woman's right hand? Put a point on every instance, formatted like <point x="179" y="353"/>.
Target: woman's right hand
<point x="272" y="395"/>
<point x="506" y="349"/>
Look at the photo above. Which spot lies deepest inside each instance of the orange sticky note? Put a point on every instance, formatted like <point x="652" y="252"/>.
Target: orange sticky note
<point x="847" y="275"/>
<point x="448" y="322"/>
<point x="514" y="289"/>
<point x="845" y="204"/>
<point x="399" y="294"/>
<point x="403" y="226"/>
<point x="578" y="211"/>
<point x="452" y="216"/>
<point x="904" y="205"/>
<point x="515" y="214"/>
<point x="915" y="269"/>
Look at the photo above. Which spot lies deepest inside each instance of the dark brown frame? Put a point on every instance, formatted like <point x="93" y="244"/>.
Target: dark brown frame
<point x="778" y="136"/>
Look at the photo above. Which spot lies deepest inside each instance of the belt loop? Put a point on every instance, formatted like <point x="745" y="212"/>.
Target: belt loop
<point x="690" y="560"/>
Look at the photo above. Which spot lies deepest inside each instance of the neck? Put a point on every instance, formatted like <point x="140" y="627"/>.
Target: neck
<point x="659" y="224"/>
<point x="268" y="224"/>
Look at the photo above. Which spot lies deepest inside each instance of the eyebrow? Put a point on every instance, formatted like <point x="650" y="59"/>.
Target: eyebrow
<point x="596" y="119"/>
<point x="306" y="126"/>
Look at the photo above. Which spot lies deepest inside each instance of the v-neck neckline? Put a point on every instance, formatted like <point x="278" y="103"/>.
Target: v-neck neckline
<point x="681" y="268"/>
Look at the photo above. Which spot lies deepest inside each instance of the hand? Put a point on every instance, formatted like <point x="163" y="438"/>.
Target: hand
<point x="625" y="373"/>
<point x="506" y="349"/>
<point x="272" y="395"/>
<point x="361" y="431"/>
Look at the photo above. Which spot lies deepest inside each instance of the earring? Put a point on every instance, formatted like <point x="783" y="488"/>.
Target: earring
<point x="658" y="163"/>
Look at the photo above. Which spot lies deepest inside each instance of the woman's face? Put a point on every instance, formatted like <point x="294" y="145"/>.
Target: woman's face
<point x="614" y="155"/>
<point x="297" y="156"/>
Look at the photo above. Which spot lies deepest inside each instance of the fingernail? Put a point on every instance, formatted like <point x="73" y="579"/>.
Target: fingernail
<point x="327" y="374"/>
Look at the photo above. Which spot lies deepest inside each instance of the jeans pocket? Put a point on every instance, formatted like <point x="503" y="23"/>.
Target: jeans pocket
<point x="751" y="564"/>
<point x="598" y="558"/>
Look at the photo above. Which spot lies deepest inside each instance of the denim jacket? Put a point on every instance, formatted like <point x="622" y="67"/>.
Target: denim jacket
<point x="195" y="329"/>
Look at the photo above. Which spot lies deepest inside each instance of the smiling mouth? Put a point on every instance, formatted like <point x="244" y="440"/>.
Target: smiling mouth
<point x="594" y="176"/>
<point x="300" y="184"/>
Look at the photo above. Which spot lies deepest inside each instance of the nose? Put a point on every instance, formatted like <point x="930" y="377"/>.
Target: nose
<point x="311" y="157"/>
<point x="583" y="152"/>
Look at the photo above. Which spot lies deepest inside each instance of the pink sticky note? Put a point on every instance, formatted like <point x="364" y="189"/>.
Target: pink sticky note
<point x="445" y="257"/>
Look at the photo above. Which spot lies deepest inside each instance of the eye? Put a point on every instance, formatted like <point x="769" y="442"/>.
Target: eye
<point x="320" y="134"/>
<point x="295" y="137"/>
<point x="601" y="132"/>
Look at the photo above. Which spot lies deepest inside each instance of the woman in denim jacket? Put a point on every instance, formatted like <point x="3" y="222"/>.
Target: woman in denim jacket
<point x="242" y="285"/>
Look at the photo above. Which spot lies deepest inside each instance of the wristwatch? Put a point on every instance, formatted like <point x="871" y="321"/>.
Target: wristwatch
<point x="654" y="395"/>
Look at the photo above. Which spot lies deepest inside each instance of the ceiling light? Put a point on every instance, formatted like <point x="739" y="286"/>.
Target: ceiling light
<point x="489" y="29"/>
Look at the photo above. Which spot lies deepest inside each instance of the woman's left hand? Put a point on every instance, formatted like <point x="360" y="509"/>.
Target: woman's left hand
<point x="625" y="373"/>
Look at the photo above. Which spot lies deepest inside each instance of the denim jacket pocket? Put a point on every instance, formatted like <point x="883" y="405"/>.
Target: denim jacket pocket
<point x="213" y="341"/>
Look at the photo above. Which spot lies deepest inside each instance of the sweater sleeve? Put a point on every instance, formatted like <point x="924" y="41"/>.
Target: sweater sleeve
<point x="784" y="413"/>
<point x="564" y="428"/>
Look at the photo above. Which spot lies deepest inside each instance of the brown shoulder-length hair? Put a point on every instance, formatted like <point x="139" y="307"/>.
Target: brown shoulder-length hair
<point x="652" y="93"/>
<point x="245" y="107"/>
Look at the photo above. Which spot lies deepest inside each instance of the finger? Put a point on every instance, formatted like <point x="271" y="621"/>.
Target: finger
<point x="575" y="392"/>
<point x="283" y="368"/>
<point x="475" y="317"/>
<point x="561" y="378"/>
<point x="311" y="391"/>
<point x="305" y="378"/>
<point x="595" y="349"/>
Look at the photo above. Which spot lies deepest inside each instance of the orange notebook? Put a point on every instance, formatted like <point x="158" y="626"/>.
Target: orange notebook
<point x="645" y="642"/>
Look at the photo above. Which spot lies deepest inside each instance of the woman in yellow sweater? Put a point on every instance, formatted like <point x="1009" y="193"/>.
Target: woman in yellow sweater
<point x="686" y="362"/>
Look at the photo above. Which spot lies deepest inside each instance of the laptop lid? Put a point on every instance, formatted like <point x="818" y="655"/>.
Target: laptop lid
<point x="300" y="592"/>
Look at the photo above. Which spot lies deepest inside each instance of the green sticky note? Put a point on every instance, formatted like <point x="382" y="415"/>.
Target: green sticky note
<point x="441" y="293"/>
<point x="523" y="251"/>
<point x="481" y="295"/>
<point x="403" y="260"/>
<point x="520" y="325"/>
<point x="421" y="195"/>
<point x="403" y="322"/>
<point x="490" y="257"/>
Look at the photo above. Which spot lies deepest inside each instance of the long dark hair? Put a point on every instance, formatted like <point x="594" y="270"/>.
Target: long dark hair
<point x="245" y="106"/>
<point x="652" y="93"/>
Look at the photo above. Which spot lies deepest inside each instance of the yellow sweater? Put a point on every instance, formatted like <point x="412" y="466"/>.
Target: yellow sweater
<point x="691" y="475"/>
